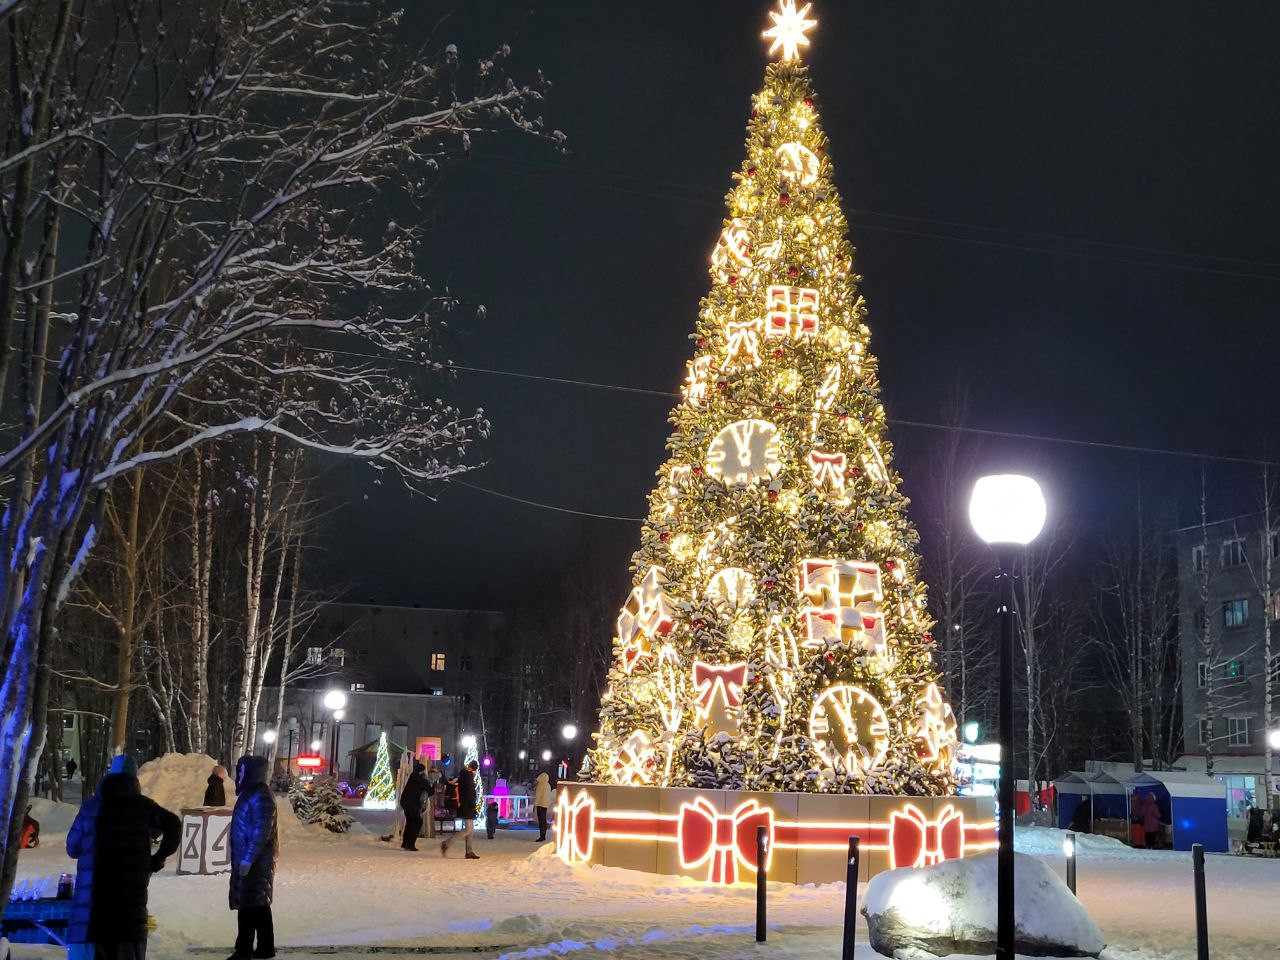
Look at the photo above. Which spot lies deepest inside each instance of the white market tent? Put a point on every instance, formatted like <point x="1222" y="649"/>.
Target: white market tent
<point x="1195" y="806"/>
<point x="1108" y="797"/>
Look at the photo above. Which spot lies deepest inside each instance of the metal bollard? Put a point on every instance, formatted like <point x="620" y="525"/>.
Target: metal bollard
<point x="1202" y="920"/>
<point x="762" y="884"/>
<point x="850" y="901"/>
<point x="1069" y="850"/>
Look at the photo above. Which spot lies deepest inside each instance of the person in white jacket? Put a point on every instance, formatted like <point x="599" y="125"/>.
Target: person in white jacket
<point x="541" y="803"/>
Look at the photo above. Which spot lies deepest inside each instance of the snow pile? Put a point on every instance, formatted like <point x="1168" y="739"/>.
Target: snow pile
<point x="951" y="908"/>
<point x="1047" y="842"/>
<point x="54" y="818"/>
<point x="177" y="781"/>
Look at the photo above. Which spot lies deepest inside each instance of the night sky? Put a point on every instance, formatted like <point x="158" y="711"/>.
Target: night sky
<point x="967" y="140"/>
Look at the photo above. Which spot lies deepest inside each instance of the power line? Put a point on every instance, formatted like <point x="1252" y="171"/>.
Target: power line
<point x="654" y="194"/>
<point x="891" y="421"/>
<point x="544" y="506"/>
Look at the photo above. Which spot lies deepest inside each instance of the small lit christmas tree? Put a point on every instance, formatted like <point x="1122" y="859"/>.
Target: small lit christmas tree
<point x="777" y="637"/>
<point x="472" y="749"/>
<point x="381" y="793"/>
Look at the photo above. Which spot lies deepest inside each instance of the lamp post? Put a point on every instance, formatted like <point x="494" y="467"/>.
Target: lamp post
<point x="1007" y="512"/>
<point x="268" y="738"/>
<point x="335" y="701"/>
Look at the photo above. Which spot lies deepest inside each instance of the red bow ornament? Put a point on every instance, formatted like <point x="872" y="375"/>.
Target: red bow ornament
<point x="724" y="841"/>
<point x="915" y="841"/>
<point x="712" y="681"/>
<point x="575" y="827"/>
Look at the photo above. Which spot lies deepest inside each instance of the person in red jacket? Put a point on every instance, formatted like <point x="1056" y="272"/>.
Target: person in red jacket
<point x="1149" y="812"/>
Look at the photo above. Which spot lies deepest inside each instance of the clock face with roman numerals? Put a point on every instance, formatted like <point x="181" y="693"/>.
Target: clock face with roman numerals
<point x="744" y="452"/>
<point x="849" y="728"/>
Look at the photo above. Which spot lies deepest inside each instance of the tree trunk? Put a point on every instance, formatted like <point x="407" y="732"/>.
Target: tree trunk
<point x="128" y="617"/>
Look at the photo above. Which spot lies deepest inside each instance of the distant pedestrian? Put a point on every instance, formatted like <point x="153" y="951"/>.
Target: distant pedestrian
<point x="255" y="844"/>
<point x="542" y="803"/>
<point x="71" y="769"/>
<point x="412" y="800"/>
<point x="1151" y="823"/>
<point x="215" y="794"/>
<point x="434" y="776"/>
<point x="466" y="811"/>
<point x="111" y="841"/>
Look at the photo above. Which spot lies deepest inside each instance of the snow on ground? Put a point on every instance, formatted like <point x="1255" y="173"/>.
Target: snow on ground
<point x="519" y="902"/>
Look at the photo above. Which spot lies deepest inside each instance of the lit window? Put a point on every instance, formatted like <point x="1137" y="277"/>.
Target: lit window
<point x="1202" y="674"/>
<point x="357" y="688"/>
<point x="315" y="656"/>
<point x="1235" y="613"/>
<point x="1238" y="732"/>
<point x="1197" y="558"/>
<point x="437" y="691"/>
<point x="437" y="661"/>
<point x="1206" y="730"/>
<point x="1233" y="552"/>
<point x="337" y="653"/>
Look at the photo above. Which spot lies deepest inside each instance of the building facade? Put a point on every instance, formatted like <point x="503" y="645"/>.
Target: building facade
<point x="1226" y="608"/>
<point x="427" y="677"/>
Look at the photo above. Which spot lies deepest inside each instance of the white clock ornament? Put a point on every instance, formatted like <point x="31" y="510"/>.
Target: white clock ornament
<point x="849" y="728"/>
<point x="745" y="451"/>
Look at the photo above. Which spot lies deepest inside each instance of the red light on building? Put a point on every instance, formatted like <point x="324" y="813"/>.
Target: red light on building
<point x="309" y="763"/>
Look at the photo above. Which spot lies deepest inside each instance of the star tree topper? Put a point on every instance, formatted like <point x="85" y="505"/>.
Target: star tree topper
<point x="789" y="28"/>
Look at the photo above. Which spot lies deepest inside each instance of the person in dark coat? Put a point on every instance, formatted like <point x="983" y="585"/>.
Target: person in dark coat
<point x="412" y="800"/>
<point x="71" y="769"/>
<point x="111" y="841"/>
<point x="215" y="794"/>
<point x="1082" y="818"/>
<point x="467" y="796"/>
<point x="255" y="844"/>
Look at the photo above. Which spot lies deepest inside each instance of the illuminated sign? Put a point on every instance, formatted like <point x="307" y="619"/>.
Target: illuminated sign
<point x="306" y="762"/>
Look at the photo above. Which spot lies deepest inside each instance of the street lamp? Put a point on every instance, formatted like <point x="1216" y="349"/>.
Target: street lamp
<point x="335" y="700"/>
<point x="546" y="756"/>
<point x="971" y="731"/>
<point x="1069" y="851"/>
<point x="1273" y="739"/>
<point x="1008" y="512"/>
<point x="268" y="737"/>
<point x="569" y="731"/>
<point x="316" y="745"/>
<point x="522" y="754"/>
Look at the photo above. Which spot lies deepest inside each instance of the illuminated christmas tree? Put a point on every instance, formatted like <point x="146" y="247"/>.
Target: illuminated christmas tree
<point x="381" y="794"/>
<point x="776" y="637"/>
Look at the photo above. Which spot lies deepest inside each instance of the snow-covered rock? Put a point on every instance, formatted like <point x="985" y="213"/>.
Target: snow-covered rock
<point x="177" y="781"/>
<point x="950" y="908"/>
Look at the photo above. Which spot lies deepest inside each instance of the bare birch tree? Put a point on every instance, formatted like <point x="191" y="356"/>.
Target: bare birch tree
<point x="218" y="164"/>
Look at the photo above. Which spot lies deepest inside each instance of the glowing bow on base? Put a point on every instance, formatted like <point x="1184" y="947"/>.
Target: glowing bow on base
<point x="725" y="842"/>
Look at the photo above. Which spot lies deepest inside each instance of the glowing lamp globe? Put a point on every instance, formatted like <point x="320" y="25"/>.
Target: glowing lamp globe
<point x="1007" y="509"/>
<point x="546" y="756"/>
<point x="468" y="741"/>
<point x="522" y="754"/>
<point x="268" y="737"/>
<point x="339" y="714"/>
<point x="316" y="745"/>
<point x="1273" y="739"/>
<point x="569" y="731"/>
<point x="335" y="700"/>
<point x="971" y="731"/>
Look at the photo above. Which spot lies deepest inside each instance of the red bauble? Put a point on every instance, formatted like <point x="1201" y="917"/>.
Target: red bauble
<point x="722" y="385"/>
<point x="697" y="470"/>
<point x="702" y="341"/>
<point x="859" y="526"/>
<point x="793" y="271"/>
<point x="778" y="353"/>
<point x="733" y="281"/>
<point x="808" y="101"/>
<point x="890" y="564"/>
<point x="664" y="536"/>
<point x="773" y="494"/>
<point x="854" y="471"/>
<point x="770" y="583"/>
<point x="831" y="657"/>
<point x="927" y="638"/>
<point x="784" y="198"/>
<point x="777" y="408"/>
<point x="751" y="171"/>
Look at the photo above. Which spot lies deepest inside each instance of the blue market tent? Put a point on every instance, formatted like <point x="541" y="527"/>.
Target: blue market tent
<point x="1108" y="796"/>
<point x="1194" y="804"/>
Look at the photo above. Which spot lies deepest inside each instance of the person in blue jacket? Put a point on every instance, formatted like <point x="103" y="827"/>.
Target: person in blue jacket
<point x="255" y="844"/>
<point x="111" y="841"/>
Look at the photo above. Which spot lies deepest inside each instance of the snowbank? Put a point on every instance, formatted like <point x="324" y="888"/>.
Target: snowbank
<point x="54" y="818"/>
<point x="177" y="781"/>
<point x="1047" y="842"/>
<point x="951" y="908"/>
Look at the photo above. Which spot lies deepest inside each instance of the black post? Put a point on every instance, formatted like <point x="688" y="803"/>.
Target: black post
<point x="1202" y="920"/>
<point x="1004" y="863"/>
<point x="762" y="878"/>
<point x="333" y="749"/>
<point x="1071" y="863"/>
<point x="850" y="901"/>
